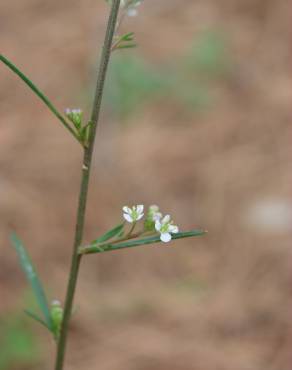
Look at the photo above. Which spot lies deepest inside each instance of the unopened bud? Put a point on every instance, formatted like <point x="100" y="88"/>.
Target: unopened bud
<point x="56" y="316"/>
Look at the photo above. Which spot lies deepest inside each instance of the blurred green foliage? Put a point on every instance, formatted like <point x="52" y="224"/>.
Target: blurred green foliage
<point x="18" y="345"/>
<point x="209" y="56"/>
<point x="132" y="81"/>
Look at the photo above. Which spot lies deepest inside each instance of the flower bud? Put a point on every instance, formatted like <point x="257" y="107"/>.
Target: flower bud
<point x="56" y="316"/>
<point x="75" y="116"/>
<point x="153" y="214"/>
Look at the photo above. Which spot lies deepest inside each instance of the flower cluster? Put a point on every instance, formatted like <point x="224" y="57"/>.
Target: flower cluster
<point x="75" y="116"/>
<point x="154" y="220"/>
<point x="82" y="129"/>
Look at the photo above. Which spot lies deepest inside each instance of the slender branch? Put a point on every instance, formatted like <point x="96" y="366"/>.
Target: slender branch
<point x="87" y="159"/>
<point x="40" y="94"/>
<point x="131" y="230"/>
<point x="122" y="243"/>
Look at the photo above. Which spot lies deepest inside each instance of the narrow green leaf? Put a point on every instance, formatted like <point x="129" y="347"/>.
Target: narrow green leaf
<point x="32" y="277"/>
<point x="85" y="131"/>
<point x="122" y="233"/>
<point x="109" y="234"/>
<point x="127" y="36"/>
<point x="39" y="93"/>
<point x="137" y="242"/>
<point x="35" y="317"/>
<point x="126" y="46"/>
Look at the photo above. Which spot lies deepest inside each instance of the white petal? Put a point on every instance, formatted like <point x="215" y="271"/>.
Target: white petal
<point x="166" y="219"/>
<point x="173" y="229"/>
<point x="126" y="209"/>
<point x="157" y="216"/>
<point x="165" y="237"/>
<point x="157" y="225"/>
<point x="140" y="208"/>
<point x="140" y="216"/>
<point x="128" y="217"/>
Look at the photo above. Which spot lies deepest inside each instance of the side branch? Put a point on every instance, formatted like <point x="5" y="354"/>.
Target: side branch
<point x="39" y="93"/>
<point x="108" y="247"/>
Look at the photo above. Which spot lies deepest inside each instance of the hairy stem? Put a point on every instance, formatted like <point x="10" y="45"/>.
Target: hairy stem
<point x="87" y="159"/>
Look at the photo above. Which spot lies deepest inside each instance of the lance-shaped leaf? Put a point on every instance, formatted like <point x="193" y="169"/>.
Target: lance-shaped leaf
<point x="35" y="317"/>
<point x="107" y="247"/>
<point x="109" y="234"/>
<point x="84" y="132"/>
<point x="126" y="46"/>
<point x="39" y="93"/>
<point x="127" y="36"/>
<point x="33" y="279"/>
<point x="124" y="42"/>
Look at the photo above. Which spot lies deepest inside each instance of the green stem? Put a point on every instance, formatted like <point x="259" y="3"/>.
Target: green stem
<point x="131" y="230"/>
<point x="120" y="244"/>
<point x="87" y="159"/>
<point x="41" y="95"/>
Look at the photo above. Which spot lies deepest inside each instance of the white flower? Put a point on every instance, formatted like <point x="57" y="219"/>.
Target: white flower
<point x="154" y="213"/>
<point x="165" y="227"/>
<point x="130" y="6"/>
<point x="133" y="214"/>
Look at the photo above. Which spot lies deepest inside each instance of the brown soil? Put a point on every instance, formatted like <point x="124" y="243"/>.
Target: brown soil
<point x="216" y="302"/>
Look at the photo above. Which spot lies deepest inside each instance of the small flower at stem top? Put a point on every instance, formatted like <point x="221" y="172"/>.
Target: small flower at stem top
<point x="133" y="214"/>
<point x="165" y="227"/>
<point x="153" y="215"/>
<point x="75" y="116"/>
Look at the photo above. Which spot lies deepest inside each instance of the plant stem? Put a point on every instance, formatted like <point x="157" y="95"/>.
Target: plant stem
<point x="129" y="243"/>
<point x="131" y="230"/>
<point x="87" y="159"/>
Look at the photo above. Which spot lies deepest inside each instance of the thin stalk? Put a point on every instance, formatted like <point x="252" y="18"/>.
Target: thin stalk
<point x="87" y="159"/>
<point x="40" y="94"/>
<point x="131" y="230"/>
<point x="122" y="243"/>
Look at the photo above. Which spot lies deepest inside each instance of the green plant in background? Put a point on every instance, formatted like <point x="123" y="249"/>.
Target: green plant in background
<point x="208" y="56"/>
<point x="18" y="344"/>
<point x="133" y="81"/>
<point x="140" y="226"/>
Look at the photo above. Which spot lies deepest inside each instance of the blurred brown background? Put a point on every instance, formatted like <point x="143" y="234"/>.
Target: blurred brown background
<point x="197" y="120"/>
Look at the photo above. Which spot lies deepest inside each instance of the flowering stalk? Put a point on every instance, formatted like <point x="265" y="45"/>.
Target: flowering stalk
<point x="87" y="159"/>
<point x="126" y="243"/>
<point x="155" y="229"/>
